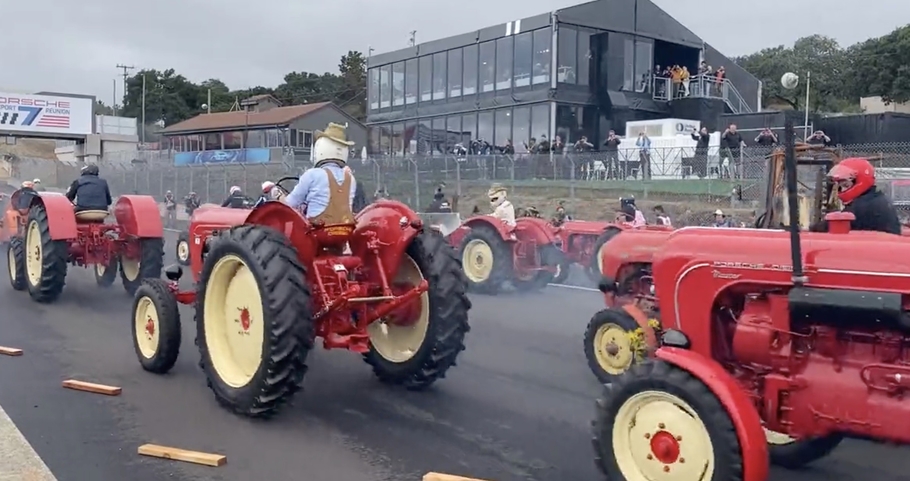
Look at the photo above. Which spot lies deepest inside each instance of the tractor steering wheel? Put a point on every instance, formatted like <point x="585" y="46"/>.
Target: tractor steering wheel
<point x="284" y="190"/>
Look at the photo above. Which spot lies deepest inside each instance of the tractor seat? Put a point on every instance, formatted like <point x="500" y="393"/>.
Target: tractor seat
<point x="91" y="216"/>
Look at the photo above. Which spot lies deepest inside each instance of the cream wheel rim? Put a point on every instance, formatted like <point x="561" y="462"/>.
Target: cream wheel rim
<point x="34" y="254"/>
<point x="399" y="343"/>
<point x="613" y="348"/>
<point x="11" y="262"/>
<point x="147" y="325"/>
<point x="477" y="260"/>
<point x="183" y="250"/>
<point x="777" y="439"/>
<point x="100" y="270"/>
<point x="130" y="268"/>
<point x="234" y="321"/>
<point x="659" y="437"/>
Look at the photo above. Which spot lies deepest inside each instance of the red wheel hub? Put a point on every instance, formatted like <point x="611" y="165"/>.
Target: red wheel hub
<point x="245" y="319"/>
<point x="150" y="327"/>
<point x="665" y="447"/>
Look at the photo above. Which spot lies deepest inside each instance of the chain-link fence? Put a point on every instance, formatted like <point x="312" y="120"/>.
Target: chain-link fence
<point x="690" y="185"/>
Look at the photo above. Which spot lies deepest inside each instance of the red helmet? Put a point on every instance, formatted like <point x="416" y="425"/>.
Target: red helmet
<point x="853" y="176"/>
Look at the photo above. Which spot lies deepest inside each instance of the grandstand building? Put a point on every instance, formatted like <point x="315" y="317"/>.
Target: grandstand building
<point x="578" y="71"/>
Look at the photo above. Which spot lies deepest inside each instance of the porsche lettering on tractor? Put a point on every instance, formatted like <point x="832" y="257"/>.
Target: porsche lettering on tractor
<point x="772" y="345"/>
<point x="47" y="235"/>
<point x="271" y="282"/>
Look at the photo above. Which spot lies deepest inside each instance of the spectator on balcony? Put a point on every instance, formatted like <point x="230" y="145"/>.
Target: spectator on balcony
<point x="659" y="77"/>
<point x="582" y="145"/>
<point x="508" y="148"/>
<point x="611" y="147"/>
<point x="819" y="138"/>
<point x="543" y="147"/>
<point x="459" y="151"/>
<point x="731" y="143"/>
<point x="685" y="78"/>
<point x="766" y="138"/>
<point x="676" y="79"/>
<point x="557" y="146"/>
<point x="644" y="155"/>
<point x="719" y="77"/>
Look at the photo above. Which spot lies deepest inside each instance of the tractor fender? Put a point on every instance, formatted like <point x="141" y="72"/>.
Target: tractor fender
<point x="537" y="229"/>
<point x="738" y="405"/>
<point x="631" y="246"/>
<point x="277" y="215"/>
<point x="139" y="216"/>
<point x="393" y="225"/>
<point x="490" y="222"/>
<point x="61" y="215"/>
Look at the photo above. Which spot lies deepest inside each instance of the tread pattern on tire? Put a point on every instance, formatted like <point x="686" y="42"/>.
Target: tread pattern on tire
<point x="593" y="269"/>
<point x="151" y="263"/>
<point x="55" y="254"/>
<point x="502" y="259"/>
<point x="605" y="316"/>
<point x="17" y="246"/>
<point x="110" y="274"/>
<point x="169" y="330"/>
<point x="448" y="324"/>
<point x="287" y="306"/>
<point x="658" y="375"/>
<point x="800" y="453"/>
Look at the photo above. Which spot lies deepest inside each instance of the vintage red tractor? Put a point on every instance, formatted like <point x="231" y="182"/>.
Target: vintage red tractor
<point x="50" y="235"/>
<point x="579" y="241"/>
<point x="771" y="346"/>
<point x="269" y="282"/>
<point x="182" y="247"/>
<point x="493" y="254"/>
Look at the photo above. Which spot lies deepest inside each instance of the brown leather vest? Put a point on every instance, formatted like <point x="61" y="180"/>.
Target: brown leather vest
<point x="338" y="211"/>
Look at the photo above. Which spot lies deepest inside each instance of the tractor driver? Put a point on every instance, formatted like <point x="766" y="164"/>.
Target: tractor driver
<point x="28" y="192"/>
<point x="89" y="191"/>
<point x="326" y="192"/>
<point x="502" y="208"/>
<point x="854" y="179"/>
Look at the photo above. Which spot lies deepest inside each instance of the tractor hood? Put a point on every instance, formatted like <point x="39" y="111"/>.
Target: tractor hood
<point x="215" y="215"/>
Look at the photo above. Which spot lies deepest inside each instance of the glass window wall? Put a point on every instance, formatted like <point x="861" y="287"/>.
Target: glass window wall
<point x="439" y="76"/>
<point x="504" y="63"/>
<point x="455" y="73"/>
<point x="385" y="83"/>
<point x="398" y="84"/>
<point x="567" y="53"/>
<point x="469" y="85"/>
<point x="426" y="78"/>
<point x="524" y="59"/>
<point x="487" y="66"/>
<point x="411" y="80"/>
<point x="542" y="58"/>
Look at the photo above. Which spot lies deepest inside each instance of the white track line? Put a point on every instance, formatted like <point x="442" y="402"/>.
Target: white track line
<point x="577" y="288"/>
<point x="20" y="461"/>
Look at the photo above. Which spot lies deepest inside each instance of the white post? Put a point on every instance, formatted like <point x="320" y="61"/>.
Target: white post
<point x="806" y="124"/>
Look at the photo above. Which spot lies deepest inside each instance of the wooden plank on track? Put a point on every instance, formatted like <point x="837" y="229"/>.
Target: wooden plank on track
<point x="447" y="477"/>
<point x="92" y="387"/>
<point x="177" y="454"/>
<point x="10" y="351"/>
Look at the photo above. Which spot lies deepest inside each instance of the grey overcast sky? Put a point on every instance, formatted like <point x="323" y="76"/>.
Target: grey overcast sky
<point x="73" y="46"/>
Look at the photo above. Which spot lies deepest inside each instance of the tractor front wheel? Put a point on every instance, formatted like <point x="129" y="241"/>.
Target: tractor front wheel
<point x="790" y="453"/>
<point x="551" y="256"/>
<point x="45" y="258"/>
<point x="105" y="275"/>
<point x="254" y="325"/>
<point x="613" y="342"/>
<point x="183" y="249"/>
<point x="156" y="326"/>
<point x="486" y="259"/>
<point x="147" y="266"/>
<point x="15" y="261"/>
<point x="416" y="353"/>
<point x="657" y="421"/>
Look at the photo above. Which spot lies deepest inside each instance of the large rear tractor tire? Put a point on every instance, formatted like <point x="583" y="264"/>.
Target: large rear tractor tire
<point x="182" y="250"/>
<point x="156" y="326"/>
<point x="106" y="275"/>
<point x="254" y="323"/>
<point x="613" y="343"/>
<point x="550" y="255"/>
<point x="657" y="421"/>
<point x="418" y="354"/>
<point x="486" y="259"/>
<point x="45" y="258"/>
<point x="147" y="266"/>
<point x="594" y="269"/>
<point x="789" y="453"/>
<point x="15" y="262"/>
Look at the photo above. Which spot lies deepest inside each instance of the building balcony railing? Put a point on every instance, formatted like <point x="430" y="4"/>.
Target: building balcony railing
<point x="704" y="86"/>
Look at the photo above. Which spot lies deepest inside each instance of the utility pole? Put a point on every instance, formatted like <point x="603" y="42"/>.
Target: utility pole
<point x="142" y="124"/>
<point x="126" y="74"/>
<point x="413" y="40"/>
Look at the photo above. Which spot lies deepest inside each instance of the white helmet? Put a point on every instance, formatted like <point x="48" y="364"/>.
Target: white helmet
<point x="267" y="186"/>
<point x="235" y="190"/>
<point x="37" y="181"/>
<point x="28" y="185"/>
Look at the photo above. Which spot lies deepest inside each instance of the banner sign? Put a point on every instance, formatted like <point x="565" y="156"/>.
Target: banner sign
<point x="44" y="114"/>
<point x="233" y="156"/>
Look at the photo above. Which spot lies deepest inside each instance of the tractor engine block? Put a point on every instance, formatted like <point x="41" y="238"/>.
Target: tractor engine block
<point x="811" y="377"/>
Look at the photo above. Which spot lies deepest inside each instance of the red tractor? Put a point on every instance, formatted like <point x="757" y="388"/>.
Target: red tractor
<point x="49" y="235"/>
<point x="269" y="283"/>
<point x="770" y="347"/>
<point x="580" y="240"/>
<point x="493" y="254"/>
<point x="182" y="248"/>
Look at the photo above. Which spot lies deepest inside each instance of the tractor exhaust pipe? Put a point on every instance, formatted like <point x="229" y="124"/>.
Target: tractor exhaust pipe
<point x="799" y="277"/>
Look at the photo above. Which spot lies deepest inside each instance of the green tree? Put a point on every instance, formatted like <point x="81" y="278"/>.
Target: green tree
<point x="828" y="63"/>
<point x="353" y="95"/>
<point x="307" y="88"/>
<point x="101" y="109"/>
<point x="169" y="97"/>
<point x="881" y="66"/>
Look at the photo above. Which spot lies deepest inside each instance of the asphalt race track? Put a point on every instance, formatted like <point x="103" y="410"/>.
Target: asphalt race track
<point x="516" y="408"/>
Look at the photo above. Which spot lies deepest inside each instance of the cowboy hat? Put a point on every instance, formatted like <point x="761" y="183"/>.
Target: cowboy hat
<point x="335" y="132"/>
<point x="496" y="189"/>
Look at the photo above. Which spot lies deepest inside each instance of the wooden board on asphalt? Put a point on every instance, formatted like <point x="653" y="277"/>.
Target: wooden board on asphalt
<point x="177" y="454"/>
<point x="92" y="387"/>
<point x="10" y="351"/>
<point x="447" y="477"/>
